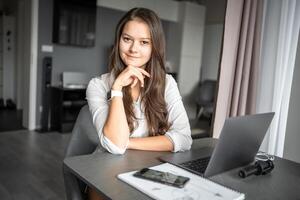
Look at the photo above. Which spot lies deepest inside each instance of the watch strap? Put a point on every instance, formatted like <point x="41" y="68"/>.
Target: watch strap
<point x="114" y="93"/>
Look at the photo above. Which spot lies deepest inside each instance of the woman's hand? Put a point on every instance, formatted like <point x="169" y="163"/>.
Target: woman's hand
<point x="130" y="76"/>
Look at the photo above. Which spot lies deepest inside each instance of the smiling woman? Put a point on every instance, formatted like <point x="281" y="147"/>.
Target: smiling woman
<point x="135" y="44"/>
<point x="145" y="110"/>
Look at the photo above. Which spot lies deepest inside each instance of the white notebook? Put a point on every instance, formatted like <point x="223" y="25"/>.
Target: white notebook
<point x="197" y="188"/>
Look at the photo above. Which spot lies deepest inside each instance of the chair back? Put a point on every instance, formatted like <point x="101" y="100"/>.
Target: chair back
<point x="84" y="140"/>
<point x="206" y="93"/>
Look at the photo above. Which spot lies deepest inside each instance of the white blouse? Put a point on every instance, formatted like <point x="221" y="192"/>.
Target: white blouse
<point x="179" y="132"/>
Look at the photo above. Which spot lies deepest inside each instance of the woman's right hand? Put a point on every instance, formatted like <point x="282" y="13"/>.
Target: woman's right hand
<point x="130" y="76"/>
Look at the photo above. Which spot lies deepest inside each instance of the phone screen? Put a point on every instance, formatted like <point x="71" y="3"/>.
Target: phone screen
<point x="162" y="177"/>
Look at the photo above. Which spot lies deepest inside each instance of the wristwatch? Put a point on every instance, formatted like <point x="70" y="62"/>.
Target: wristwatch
<point x="114" y="93"/>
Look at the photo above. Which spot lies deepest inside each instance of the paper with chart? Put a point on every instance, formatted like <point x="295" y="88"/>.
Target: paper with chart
<point x="197" y="188"/>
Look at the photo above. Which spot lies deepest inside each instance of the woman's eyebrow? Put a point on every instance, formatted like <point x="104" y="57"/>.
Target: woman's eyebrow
<point x="145" y="38"/>
<point x="126" y="34"/>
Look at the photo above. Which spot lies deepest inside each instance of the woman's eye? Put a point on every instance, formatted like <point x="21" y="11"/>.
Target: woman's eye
<point x="145" y="42"/>
<point x="126" y="39"/>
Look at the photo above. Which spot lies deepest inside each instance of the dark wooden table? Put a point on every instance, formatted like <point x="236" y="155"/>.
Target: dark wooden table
<point x="100" y="169"/>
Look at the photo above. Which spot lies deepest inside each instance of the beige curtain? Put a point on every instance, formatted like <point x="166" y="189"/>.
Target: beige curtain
<point x="240" y="61"/>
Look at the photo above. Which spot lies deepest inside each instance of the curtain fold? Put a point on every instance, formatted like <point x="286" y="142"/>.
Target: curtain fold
<point x="240" y="61"/>
<point x="245" y="78"/>
<point x="280" y="37"/>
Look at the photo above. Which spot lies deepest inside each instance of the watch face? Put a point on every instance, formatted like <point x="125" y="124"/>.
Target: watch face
<point x="108" y="95"/>
<point x="113" y="93"/>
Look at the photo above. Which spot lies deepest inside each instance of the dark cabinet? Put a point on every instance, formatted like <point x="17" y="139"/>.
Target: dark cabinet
<point x="65" y="106"/>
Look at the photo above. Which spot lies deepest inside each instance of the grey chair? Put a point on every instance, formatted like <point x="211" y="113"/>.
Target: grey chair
<point x="205" y="98"/>
<point x="84" y="140"/>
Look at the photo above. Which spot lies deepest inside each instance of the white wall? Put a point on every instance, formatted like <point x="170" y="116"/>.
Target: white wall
<point x="8" y="48"/>
<point x="292" y="137"/>
<point x="192" y="21"/>
<point x="20" y="55"/>
<point x="8" y="53"/>
<point x="23" y="57"/>
<point x="212" y="50"/>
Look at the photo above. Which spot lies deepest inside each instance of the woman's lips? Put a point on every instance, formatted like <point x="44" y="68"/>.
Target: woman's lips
<point x="132" y="57"/>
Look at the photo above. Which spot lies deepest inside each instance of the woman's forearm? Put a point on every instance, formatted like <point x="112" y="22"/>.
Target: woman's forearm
<point x="116" y="127"/>
<point x="155" y="143"/>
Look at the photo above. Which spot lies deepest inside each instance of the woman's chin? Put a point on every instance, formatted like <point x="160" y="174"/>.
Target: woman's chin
<point x="134" y="64"/>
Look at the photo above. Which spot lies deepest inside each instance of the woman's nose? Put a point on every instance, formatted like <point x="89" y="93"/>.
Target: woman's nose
<point x="134" y="47"/>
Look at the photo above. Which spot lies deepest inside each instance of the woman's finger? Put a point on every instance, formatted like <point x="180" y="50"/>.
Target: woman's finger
<point x="139" y="75"/>
<point x="131" y="75"/>
<point x="134" y="83"/>
<point x="144" y="72"/>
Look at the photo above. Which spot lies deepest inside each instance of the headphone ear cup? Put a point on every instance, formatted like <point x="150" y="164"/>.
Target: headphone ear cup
<point x="266" y="166"/>
<point x="258" y="168"/>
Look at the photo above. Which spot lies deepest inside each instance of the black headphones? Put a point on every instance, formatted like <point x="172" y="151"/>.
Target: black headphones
<point x="263" y="165"/>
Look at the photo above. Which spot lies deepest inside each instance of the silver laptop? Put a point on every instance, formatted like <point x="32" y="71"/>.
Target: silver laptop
<point x="237" y="146"/>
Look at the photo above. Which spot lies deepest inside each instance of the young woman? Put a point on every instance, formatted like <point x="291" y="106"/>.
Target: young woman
<point x="137" y="105"/>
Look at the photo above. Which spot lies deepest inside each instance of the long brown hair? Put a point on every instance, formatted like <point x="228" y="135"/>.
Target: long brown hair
<point x="153" y="100"/>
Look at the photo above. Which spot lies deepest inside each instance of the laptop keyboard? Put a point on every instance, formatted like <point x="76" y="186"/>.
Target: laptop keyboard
<point x="198" y="165"/>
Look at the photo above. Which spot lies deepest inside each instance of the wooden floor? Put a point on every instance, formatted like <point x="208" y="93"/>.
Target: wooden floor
<point x="31" y="165"/>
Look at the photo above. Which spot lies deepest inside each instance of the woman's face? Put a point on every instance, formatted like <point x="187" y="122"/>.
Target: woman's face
<point x="135" y="43"/>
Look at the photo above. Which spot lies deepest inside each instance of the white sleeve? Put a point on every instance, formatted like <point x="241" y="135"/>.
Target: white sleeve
<point x="96" y="95"/>
<point x="180" y="131"/>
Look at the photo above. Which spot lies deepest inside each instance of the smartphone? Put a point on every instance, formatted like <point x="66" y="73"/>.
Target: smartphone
<point x="162" y="177"/>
